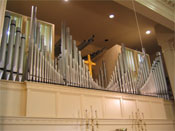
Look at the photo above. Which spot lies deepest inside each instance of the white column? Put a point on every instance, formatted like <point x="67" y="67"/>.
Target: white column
<point x="166" y="40"/>
<point x="2" y="13"/>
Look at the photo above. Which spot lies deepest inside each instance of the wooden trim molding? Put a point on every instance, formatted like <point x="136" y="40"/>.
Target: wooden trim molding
<point x="162" y="7"/>
<point x="74" y="121"/>
<point x="2" y="13"/>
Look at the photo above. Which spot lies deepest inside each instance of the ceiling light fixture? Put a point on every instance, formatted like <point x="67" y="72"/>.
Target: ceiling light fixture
<point x="148" y="32"/>
<point x="111" y="16"/>
<point x="66" y="0"/>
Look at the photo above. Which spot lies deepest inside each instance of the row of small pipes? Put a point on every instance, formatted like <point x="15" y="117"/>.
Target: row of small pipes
<point x="102" y="76"/>
<point x="124" y="80"/>
<point x="158" y="75"/>
<point x="67" y="69"/>
<point x="11" y="51"/>
<point x="73" y="69"/>
<point x="40" y="65"/>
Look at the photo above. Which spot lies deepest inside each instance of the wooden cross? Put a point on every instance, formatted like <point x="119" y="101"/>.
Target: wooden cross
<point x="90" y="64"/>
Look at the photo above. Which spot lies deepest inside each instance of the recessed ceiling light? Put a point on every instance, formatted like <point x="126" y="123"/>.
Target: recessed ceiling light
<point x="66" y="0"/>
<point x="111" y="16"/>
<point x="148" y="32"/>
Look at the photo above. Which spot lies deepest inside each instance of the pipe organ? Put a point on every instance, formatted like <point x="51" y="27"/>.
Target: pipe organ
<point x="69" y="68"/>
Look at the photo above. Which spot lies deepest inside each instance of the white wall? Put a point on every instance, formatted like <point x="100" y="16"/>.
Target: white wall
<point x="53" y="107"/>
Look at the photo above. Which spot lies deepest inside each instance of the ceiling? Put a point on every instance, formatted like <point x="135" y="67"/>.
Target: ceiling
<point x="86" y="18"/>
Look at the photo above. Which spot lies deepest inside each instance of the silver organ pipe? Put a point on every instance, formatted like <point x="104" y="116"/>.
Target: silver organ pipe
<point x="3" y="47"/>
<point x="21" y="58"/>
<point x="16" y="54"/>
<point x="10" y="49"/>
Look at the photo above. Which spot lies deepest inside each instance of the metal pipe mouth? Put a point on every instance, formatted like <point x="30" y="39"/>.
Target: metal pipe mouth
<point x="158" y="54"/>
<point x="18" y="29"/>
<point x="13" y="22"/>
<point x="7" y="14"/>
<point x="23" y="36"/>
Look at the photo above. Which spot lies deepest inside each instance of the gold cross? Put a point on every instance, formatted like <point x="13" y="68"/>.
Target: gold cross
<point x="90" y="64"/>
